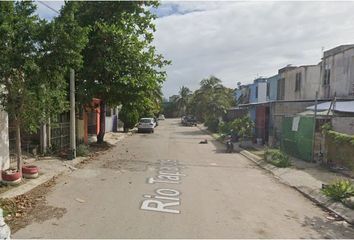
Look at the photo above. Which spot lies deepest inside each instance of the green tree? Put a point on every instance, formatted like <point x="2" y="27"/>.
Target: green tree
<point x="211" y="100"/>
<point x="183" y="100"/>
<point x="121" y="65"/>
<point x="33" y="66"/>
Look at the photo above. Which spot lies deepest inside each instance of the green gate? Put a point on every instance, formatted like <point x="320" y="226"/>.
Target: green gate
<point x="298" y="143"/>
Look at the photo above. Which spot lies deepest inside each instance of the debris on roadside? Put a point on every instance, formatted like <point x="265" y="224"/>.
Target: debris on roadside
<point x="72" y="168"/>
<point x="80" y="200"/>
<point x="205" y="141"/>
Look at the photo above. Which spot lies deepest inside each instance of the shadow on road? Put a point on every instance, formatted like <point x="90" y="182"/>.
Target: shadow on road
<point x="194" y="133"/>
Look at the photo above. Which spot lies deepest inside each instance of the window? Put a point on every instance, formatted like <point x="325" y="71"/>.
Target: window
<point x="268" y="89"/>
<point x="298" y="81"/>
<point x="281" y="89"/>
<point x="256" y="92"/>
<point x="327" y="76"/>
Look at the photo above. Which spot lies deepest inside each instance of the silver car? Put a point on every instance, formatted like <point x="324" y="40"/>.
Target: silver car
<point x="146" y="125"/>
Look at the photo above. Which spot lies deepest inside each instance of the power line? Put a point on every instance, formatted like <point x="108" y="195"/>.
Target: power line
<point x="46" y="5"/>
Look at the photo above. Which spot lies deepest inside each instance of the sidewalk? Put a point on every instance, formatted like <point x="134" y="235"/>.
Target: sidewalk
<point x="50" y="167"/>
<point x="305" y="177"/>
<point x="308" y="181"/>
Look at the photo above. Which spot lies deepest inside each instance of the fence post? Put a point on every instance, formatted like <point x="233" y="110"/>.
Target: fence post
<point x="314" y="129"/>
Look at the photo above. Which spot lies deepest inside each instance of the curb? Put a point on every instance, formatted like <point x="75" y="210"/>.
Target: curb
<point x="42" y="179"/>
<point x="33" y="183"/>
<point x="313" y="194"/>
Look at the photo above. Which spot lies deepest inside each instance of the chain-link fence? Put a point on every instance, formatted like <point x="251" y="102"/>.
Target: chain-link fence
<point x="60" y="136"/>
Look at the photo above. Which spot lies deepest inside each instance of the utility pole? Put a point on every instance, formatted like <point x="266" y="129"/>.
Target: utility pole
<point x="72" y="116"/>
<point x="314" y="129"/>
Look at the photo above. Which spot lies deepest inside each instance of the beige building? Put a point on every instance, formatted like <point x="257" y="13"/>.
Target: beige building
<point x="299" y="83"/>
<point x="337" y="72"/>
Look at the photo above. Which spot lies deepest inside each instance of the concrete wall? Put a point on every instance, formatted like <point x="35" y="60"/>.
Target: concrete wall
<point x="111" y="121"/>
<point x="109" y="124"/>
<point x="343" y="125"/>
<point x="310" y="83"/>
<point x="262" y="92"/>
<point x="341" y="64"/>
<point x="4" y="141"/>
<point x="273" y="87"/>
<point x="252" y="95"/>
<point x="279" y="110"/>
<point x="80" y="130"/>
<point x="260" y="86"/>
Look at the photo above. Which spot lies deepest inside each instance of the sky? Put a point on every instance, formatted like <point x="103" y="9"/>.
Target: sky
<point x="238" y="41"/>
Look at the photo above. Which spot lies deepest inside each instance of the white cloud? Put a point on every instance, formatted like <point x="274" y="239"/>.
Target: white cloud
<point x="236" y="41"/>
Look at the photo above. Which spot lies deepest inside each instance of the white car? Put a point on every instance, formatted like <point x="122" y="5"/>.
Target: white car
<point x="161" y="117"/>
<point x="146" y="125"/>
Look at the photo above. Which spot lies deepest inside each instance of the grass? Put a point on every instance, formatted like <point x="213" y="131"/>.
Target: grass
<point x="277" y="158"/>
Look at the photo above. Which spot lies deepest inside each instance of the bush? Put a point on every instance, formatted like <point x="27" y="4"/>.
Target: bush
<point x="82" y="150"/>
<point x="339" y="190"/>
<point x="224" y="127"/>
<point x="129" y="116"/>
<point x="277" y="158"/>
<point x="212" y="124"/>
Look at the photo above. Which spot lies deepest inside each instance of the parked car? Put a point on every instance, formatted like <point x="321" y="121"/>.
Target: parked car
<point x="161" y="117"/>
<point x="189" y="121"/>
<point x="156" y="121"/>
<point x="146" y="125"/>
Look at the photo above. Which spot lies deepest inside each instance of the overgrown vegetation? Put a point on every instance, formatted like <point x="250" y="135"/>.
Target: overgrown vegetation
<point x="242" y="127"/>
<point x="207" y="104"/>
<point x="336" y="136"/>
<point x="277" y="158"/>
<point x="339" y="190"/>
<point x="130" y="117"/>
<point x="82" y="150"/>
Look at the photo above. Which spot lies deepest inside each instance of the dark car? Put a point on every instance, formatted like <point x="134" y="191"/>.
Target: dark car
<point x="190" y="121"/>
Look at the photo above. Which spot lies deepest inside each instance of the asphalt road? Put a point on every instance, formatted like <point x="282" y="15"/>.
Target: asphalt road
<point x="167" y="185"/>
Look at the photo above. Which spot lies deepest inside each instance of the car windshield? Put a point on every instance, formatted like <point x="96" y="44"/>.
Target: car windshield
<point x="146" y="120"/>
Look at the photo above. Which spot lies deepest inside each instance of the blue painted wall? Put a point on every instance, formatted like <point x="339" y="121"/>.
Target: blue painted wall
<point x="253" y="87"/>
<point x="273" y="87"/>
<point x="238" y="93"/>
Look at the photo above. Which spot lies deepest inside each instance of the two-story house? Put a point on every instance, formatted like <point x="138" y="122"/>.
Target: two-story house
<point x="337" y="72"/>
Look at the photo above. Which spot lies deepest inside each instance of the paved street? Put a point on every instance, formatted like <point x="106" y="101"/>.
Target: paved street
<point x="167" y="185"/>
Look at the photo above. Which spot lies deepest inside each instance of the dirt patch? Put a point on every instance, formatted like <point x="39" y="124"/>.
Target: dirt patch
<point x="129" y="165"/>
<point x="31" y="207"/>
<point x="96" y="150"/>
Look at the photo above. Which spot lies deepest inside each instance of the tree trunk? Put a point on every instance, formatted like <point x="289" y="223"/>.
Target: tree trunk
<point x="100" y="135"/>
<point x="18" y="145"/>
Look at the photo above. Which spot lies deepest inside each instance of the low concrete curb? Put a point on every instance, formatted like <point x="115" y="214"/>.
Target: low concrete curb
<point x="313" y="194"/>
<point x="65" y="166"/>
<point x="31" y="184"/>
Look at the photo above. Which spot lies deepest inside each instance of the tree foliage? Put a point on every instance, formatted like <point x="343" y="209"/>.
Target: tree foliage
<point x="211" y="100"/>
<point x="120" y="64"/>
<point x="183" y="100"/>
<point x="35" y="57"/>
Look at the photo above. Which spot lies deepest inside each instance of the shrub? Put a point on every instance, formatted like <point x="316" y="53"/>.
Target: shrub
<point x="277" y="158"/>
<point x="82" y="150"/>
<point x="129" y="116"/>
<point x="243" y="127"/>
<point x="212" y="124"/>
<point x="339" y="190"/>
<point x="224" y="127"/>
